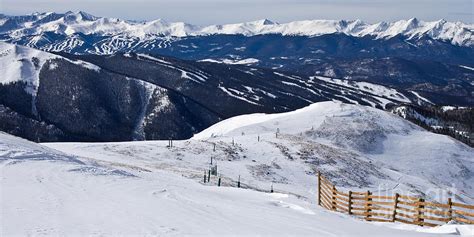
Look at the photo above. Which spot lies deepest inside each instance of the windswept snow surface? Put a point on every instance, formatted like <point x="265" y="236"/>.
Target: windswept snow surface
<point x="46" y="192"/>
<point x="147" y="188"/>
<point x="355" y="146"/>
<point x="393" y="154"/>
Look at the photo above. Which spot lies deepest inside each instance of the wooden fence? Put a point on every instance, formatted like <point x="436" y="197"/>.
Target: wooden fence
<point x="400" y="208"/>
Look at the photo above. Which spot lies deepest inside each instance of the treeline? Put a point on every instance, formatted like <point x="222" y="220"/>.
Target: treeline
<point x="457" y="122"/>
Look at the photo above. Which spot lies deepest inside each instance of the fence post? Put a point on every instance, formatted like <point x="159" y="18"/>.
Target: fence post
<point x="219" y="182"/>
<point x="333" y="206"/>
<point x="319" y="188"/>
<point x="350" y="203"/>
<point x="395" y="205"/>
<point x="205" y="176"/>
<point x="450" y="211"/>
<point x="209" y="176"/>
<point x="368" y="205"/>
<point x="238" y="183"/>
<point x="420" y="206"/>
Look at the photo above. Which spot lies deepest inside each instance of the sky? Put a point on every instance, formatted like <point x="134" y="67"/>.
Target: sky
<point x="206" y="12"/>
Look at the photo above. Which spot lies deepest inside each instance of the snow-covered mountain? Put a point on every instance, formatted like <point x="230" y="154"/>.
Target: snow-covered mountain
<point x="433" y="59"/>
<point x="80" y="195"/>
<point x="357" y="147"/>
<point x="37" y="24"/>
<point x="49" y="97"/>
<point x="390" y="153"/>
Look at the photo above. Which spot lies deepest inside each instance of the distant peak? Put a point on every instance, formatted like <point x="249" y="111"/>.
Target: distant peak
<point x="265" y="22"/>
<point x="79" y="15"/>
<point x="157" y="21"/>
<point x="413" y="21"/>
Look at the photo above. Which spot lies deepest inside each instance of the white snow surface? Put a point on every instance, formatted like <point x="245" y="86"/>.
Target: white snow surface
<point x="147" y="188"/>
<point x="421" y="97"/>
<point x="235" y="62"/>
<point x="19" y="63"/>
<point x="23" y="64"/>
<point x="457" y="33"/>
<point x="381" y="91"/>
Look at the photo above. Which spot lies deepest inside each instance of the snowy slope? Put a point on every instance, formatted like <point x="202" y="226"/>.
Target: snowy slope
<point x="45" y="192"/>
<point x="19" y="63"/>
<point x="457" y="33"/>
<point x="383" y="94"/>
<point x="147" y="188"/>
<point x="357" y="147"/>
<point x="23" y="64"/>
<point x="388" y="142"/>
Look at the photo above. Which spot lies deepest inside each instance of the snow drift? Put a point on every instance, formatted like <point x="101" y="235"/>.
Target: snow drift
<point x="142" y="188"/>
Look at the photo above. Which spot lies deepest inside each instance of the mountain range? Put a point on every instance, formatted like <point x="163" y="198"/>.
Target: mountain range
<point x="70" y="23"/>
<point x="433" y="59"/>
<point x="79" y="77"/>
<point x="55" y="97"/>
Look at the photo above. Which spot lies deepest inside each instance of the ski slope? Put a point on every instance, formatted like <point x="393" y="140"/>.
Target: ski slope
<point x="46" y="192"/>
<point x="391" y="154"/>
<point x="147" y="188"/>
